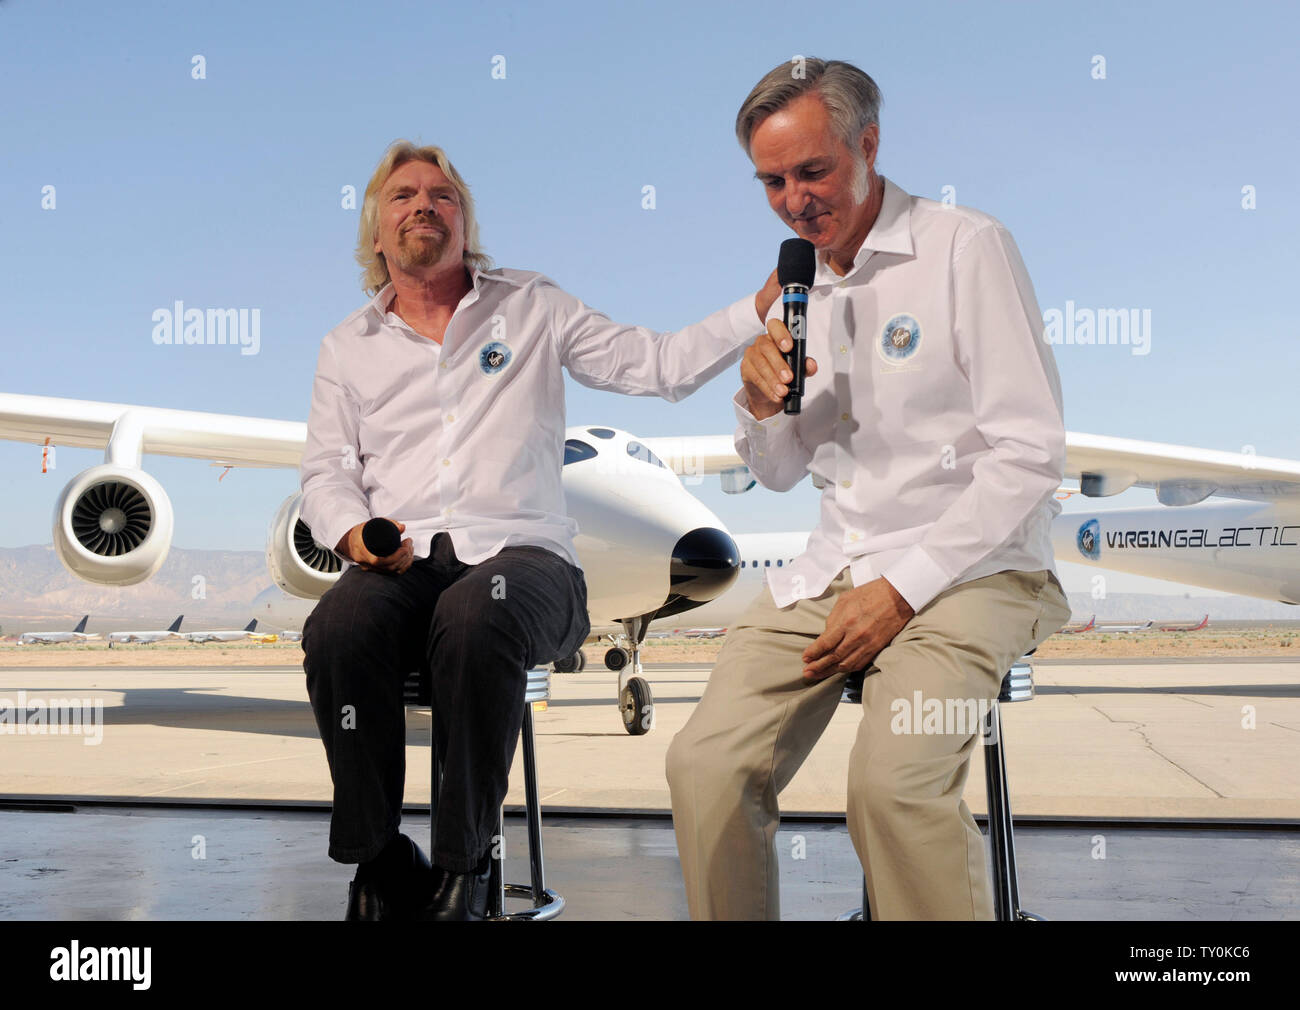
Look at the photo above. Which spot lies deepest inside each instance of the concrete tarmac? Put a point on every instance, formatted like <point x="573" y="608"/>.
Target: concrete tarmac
<point x="113" y="865"/>
<point x="1199" y="740"/>
<point x="1202" y="740"/>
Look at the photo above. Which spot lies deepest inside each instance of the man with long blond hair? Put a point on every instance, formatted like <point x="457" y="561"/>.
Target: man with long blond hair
<point x="440" y="405"/>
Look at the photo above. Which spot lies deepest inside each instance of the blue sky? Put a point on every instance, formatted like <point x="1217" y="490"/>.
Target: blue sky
<point x="1122" y="192"/>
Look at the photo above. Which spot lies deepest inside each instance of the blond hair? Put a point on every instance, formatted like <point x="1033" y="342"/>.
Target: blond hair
<point x="374" y="269"/>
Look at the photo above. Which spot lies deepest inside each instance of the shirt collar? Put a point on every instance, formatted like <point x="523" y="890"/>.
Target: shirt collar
<point x="891" y="233"/>
<point x="379" y="305"/>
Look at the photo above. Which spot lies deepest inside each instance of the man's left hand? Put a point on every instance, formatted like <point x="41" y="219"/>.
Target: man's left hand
<point x="863" y="621"/>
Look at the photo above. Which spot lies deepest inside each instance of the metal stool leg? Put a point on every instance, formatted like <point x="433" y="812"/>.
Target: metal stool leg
<point x="496" y="872"/>
<point x="536" y="865"/>
<point x="999" y="817"/>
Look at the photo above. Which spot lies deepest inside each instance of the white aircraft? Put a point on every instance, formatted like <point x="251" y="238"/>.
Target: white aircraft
<point x="648" y="547"/>
<point x="223" y="636"/>
<point x="1226" y="521"/>
<point x="147" y="637"/>
<point x="757" y="553"/>
<point x="77" y="634"/>
<point x="1122" y="629"/>
<point x="1194" y="626"/>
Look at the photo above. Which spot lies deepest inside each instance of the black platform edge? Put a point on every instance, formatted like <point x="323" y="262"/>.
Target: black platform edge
<point x="15" y="803"/>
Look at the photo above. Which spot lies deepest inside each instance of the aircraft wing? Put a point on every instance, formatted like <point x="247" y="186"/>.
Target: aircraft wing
<point x="225" y="439"/>
<point x="1103" y="465"/>
<point x="1180" y="475"/>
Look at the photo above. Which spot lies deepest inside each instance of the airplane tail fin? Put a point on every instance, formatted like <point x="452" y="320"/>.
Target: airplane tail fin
<point x="176" y="624"/>
<point x="252" y="625"/>
<point x="81" y="625"/>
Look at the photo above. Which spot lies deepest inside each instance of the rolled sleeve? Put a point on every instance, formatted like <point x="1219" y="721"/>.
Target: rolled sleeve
<point x="333" y="500"/>
<point x="603" y="354"/>
<point x="771" y="448"/>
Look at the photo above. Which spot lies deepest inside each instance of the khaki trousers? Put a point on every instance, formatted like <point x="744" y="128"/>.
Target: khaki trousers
<point x="921" y="851"/>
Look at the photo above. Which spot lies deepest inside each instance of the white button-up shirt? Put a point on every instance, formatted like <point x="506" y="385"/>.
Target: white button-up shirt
<point x="468" y="437"/>
<point x="934" y="422"/>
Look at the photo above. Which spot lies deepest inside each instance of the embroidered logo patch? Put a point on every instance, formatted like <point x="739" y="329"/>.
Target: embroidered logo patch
<point x="1089" y="540"/>
<point x="493" y="357"/>
<point x="899" y="339"/>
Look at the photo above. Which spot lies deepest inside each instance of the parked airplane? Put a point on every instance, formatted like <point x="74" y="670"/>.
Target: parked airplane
<point x="147" y="637"/>
<point x="1205" y="623"/>
<point x="1122" y="629"/>
<point x="1079" y="629"/>
<point x="77" y="634"/>
<point x="648" y="547"/>
<point x="223" y="636"/>
<point x="661" y="552"/>
<point x="1246" y="541"/>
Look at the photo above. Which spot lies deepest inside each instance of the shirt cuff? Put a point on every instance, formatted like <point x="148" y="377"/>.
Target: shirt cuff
<point x="334" y="531"/>
<point x="916" y="577"/>
<point x="771" y="425"/>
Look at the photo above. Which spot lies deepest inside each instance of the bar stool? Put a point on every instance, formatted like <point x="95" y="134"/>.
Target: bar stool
<point x="543" y="903"/>
<point x="1017" y="685"/>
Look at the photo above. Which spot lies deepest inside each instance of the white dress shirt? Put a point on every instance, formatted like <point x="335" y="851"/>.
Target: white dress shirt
<point x="468" y="437"/>
<point x="934" y="419"/>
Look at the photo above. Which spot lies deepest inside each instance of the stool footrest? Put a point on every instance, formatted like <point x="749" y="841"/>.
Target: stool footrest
<point x="547" y="907"/>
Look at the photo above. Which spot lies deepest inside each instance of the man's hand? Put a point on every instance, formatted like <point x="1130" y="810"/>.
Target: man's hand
<point x="763" y="300"/>
<point x="863" y="621"/>
<point x="353" y="548"/>
<point x="765" y="373"/>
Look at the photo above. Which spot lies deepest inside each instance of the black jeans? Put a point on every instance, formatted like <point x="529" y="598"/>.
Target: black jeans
<point x="481" y="628"/>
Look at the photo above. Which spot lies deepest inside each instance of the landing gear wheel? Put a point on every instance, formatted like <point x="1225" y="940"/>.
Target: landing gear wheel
<point x="637" y="706"/>
<point x="581" y="658"/>
<point x="569" y="664"/>
<point x="616" y="659"/>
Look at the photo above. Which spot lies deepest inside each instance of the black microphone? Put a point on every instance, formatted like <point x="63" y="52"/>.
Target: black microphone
<point x="795" y="268"/>
<point x="381" y="537"/>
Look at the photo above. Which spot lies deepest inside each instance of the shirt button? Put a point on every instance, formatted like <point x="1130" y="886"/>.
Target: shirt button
<point x="443" y="365"/>
<point x="844" y="349"/>
<point x="844" y="417"/>
<point x="446" y="462"/>
<point x="451" y="417"/>
<point x="846" y="483"/>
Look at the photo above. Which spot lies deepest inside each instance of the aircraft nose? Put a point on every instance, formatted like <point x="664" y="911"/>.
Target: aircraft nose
<point x="705" y="563"/>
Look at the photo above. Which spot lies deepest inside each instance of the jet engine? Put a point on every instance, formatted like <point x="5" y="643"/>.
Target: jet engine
<point x="298" y="564"/>
<point x="113" y="525"/>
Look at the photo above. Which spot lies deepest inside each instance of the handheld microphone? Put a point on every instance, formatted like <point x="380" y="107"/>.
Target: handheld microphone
<point x="381" y="537"/>
<point x="795" y="268"/>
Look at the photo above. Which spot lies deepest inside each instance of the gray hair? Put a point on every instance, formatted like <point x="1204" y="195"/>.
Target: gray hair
<point x="851" y="97"/>
<point x="374" y="268"/>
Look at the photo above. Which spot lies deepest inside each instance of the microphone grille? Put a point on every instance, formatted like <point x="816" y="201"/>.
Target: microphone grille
<point x="797" y="263"/>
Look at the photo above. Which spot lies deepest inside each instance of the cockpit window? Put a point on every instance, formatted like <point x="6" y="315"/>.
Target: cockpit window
<point x="575" y="449"/>
<point x="601" y="432"/>
<point x="639" y="451"/>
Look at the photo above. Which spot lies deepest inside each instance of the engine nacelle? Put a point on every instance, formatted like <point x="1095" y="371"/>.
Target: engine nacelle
<point x="113" y="525"/>
<point x="298" y="564"/>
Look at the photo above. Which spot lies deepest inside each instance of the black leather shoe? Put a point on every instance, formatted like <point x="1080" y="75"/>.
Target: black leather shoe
<point x="460" y="897"/>
<point x="394" y="901"/>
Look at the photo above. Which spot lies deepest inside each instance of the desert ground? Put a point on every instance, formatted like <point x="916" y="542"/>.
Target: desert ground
<point x="1278" y="642"/>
